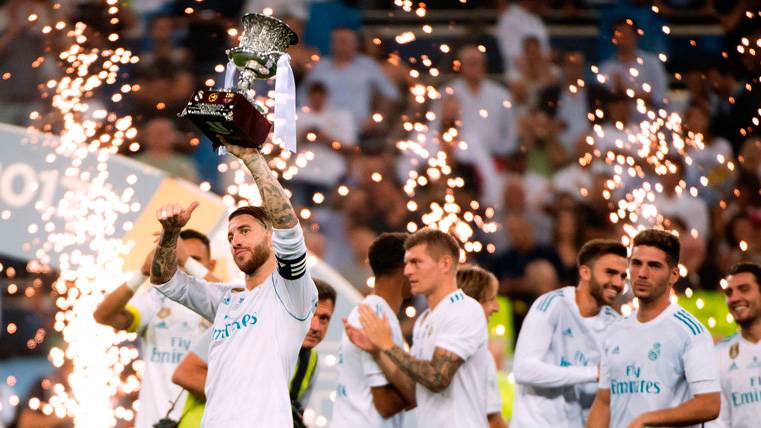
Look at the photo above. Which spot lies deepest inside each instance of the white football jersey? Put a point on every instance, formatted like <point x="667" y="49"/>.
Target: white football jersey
<point x="358" y="373"/>
<point x="656" y="365"/>
<point x="556" y="359"/>
<point x="458" y="325"/>
<point x="167" y="330"/>
<point x="255" y="338"/>
<point x="493" y="396"/>
<point x="740" y="376"/>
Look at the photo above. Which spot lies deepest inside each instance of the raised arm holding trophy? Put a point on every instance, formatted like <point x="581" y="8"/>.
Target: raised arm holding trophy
<point x="229" y="115"/>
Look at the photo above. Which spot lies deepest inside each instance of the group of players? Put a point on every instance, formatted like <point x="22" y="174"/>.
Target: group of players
<point x="244" y="352"/>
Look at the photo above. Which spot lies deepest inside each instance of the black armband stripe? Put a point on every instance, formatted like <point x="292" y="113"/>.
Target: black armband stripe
<point x="292" y="268"/>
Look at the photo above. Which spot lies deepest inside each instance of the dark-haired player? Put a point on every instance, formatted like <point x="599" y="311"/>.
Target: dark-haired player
<point x="658" y="366"/>
<point x="558" y="351"/>
<point x="259" y="325"/>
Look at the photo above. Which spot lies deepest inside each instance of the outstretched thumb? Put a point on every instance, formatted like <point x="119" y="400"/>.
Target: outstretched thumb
<point x="193" y="205"/>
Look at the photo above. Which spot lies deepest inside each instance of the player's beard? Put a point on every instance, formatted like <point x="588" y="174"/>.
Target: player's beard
<point x="596" y="290"/>
<point x="259" y="256"/>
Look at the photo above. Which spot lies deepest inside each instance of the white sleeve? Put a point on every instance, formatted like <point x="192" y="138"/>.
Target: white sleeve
<point x="700" y="367"/>
<point x="725" y="413"/>
<point x="370" y="368"/>
<point x="604" y="382"/>
<point x="533" y="342"/>
<point x="201" y="346"/>
<point x="143" y="308"/>
<point x="295" y="289"/>
<point x="198" y="295"/>
<point x="464" y="330"/>
<point x="493" y="396"/>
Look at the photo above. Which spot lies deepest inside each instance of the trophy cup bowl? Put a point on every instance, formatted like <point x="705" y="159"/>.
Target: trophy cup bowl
<point x="228" y="116"/>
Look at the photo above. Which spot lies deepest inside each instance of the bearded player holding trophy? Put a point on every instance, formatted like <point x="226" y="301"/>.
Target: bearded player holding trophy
<point x="258" y="325"/>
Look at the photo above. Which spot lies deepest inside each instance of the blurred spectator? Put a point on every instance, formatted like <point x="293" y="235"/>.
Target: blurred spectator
<point x="735" y="104"/>
<point x="517" y="21"/>
<point x="676" y="200"/>
<point x="510" y="265"/>
<point x="648" y="71"/>
<point x="327" y="16"/>
<point x="696" y="91"/>
<point x="326" y="133"/>
<point x="20" y="45"/>
<point x="533" y="72"/>
<point x="165" y="81"/>
<point x="486" y="108"/>
<point x="352" y="79"/>
<point x="159" y="140"/>
<point x="709" y="159"/>
<point x="750" y="156"/>
<point x="278" y="8"/>
<point x="568" y="103"/>
<point x="396" y="71"/>
<point x="652" y="40"/>
<point x="742" y="241"/>
<point x="206" y="31"/>
<point x="568" y="236"/>
<point x="355" y="268"/>
<point x="617" y="127"/>
<point x="702" y="272"/>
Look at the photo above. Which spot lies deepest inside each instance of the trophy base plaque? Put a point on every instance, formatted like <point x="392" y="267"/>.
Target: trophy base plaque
<point x="227" y="117"/>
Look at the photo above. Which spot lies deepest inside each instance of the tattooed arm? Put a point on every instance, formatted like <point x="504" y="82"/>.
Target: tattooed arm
<point x="435" y="375"/>
<point x="275" y="200"/>
<point x="172" y="218"/>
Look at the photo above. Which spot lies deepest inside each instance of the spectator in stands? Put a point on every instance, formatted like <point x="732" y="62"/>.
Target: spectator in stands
<point x="618" y="125"/>
<point x="517" y="21"/>
<point x="733" y="106"/>
<point x="568" y="235"/>
<point x="510" y="265"/>
<point x="652" y="40"/>
<point x="352" y="79"/>
<point x="396" y="71"/>
<point x="710" y="156"/>
<point x="750" y="156"/>
<point x="568" y="103"/>
<point x="159" y="140"/>
<point x="327" y="16"/>
<point x="20" y="45"/>
<point x="532" y="74"/>
<point x="486" y="108"/>
<point x="676" y="200"/>
<point x="702" y="272"/>
<point x="649" y="82"/>
<point x="328" y="133"/>
<point x="742" y="242"/>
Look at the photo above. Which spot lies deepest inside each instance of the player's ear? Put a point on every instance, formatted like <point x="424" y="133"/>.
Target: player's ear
<point x="585" y="272"/>
<point x="212" y="265"/>
<point x="674" y="276"/>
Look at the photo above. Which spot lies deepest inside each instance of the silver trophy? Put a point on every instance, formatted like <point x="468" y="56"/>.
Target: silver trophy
<point x="228" y="116"/>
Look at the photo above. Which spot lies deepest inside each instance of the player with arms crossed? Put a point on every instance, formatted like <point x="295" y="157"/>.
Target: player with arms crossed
<point x="658" y="366"/>
<point x="560" y="342"/>
<point x="364" y="397"/>
<point x="446" y="373"/>
<point x="740" y="354"/>
<point x="258" y="326"/>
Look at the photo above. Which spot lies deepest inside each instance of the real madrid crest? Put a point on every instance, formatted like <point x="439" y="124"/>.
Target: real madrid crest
<point x="734" y="350"/>
<point x="164" y="312"/>
<point x="213" y="97"/>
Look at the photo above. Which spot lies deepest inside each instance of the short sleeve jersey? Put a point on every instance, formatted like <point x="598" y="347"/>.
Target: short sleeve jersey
<point x="656" y="365"/>
<point x="255" y="338"/>
<point x="168" y="331"/>
<point x="457" y="324"/>
<point x="740" y="374"/>
<point x="358" y="373"/>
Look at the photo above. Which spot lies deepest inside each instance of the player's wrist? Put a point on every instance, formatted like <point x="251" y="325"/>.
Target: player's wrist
<point x="134" y="280"/>
<point x="195" y="268"/>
